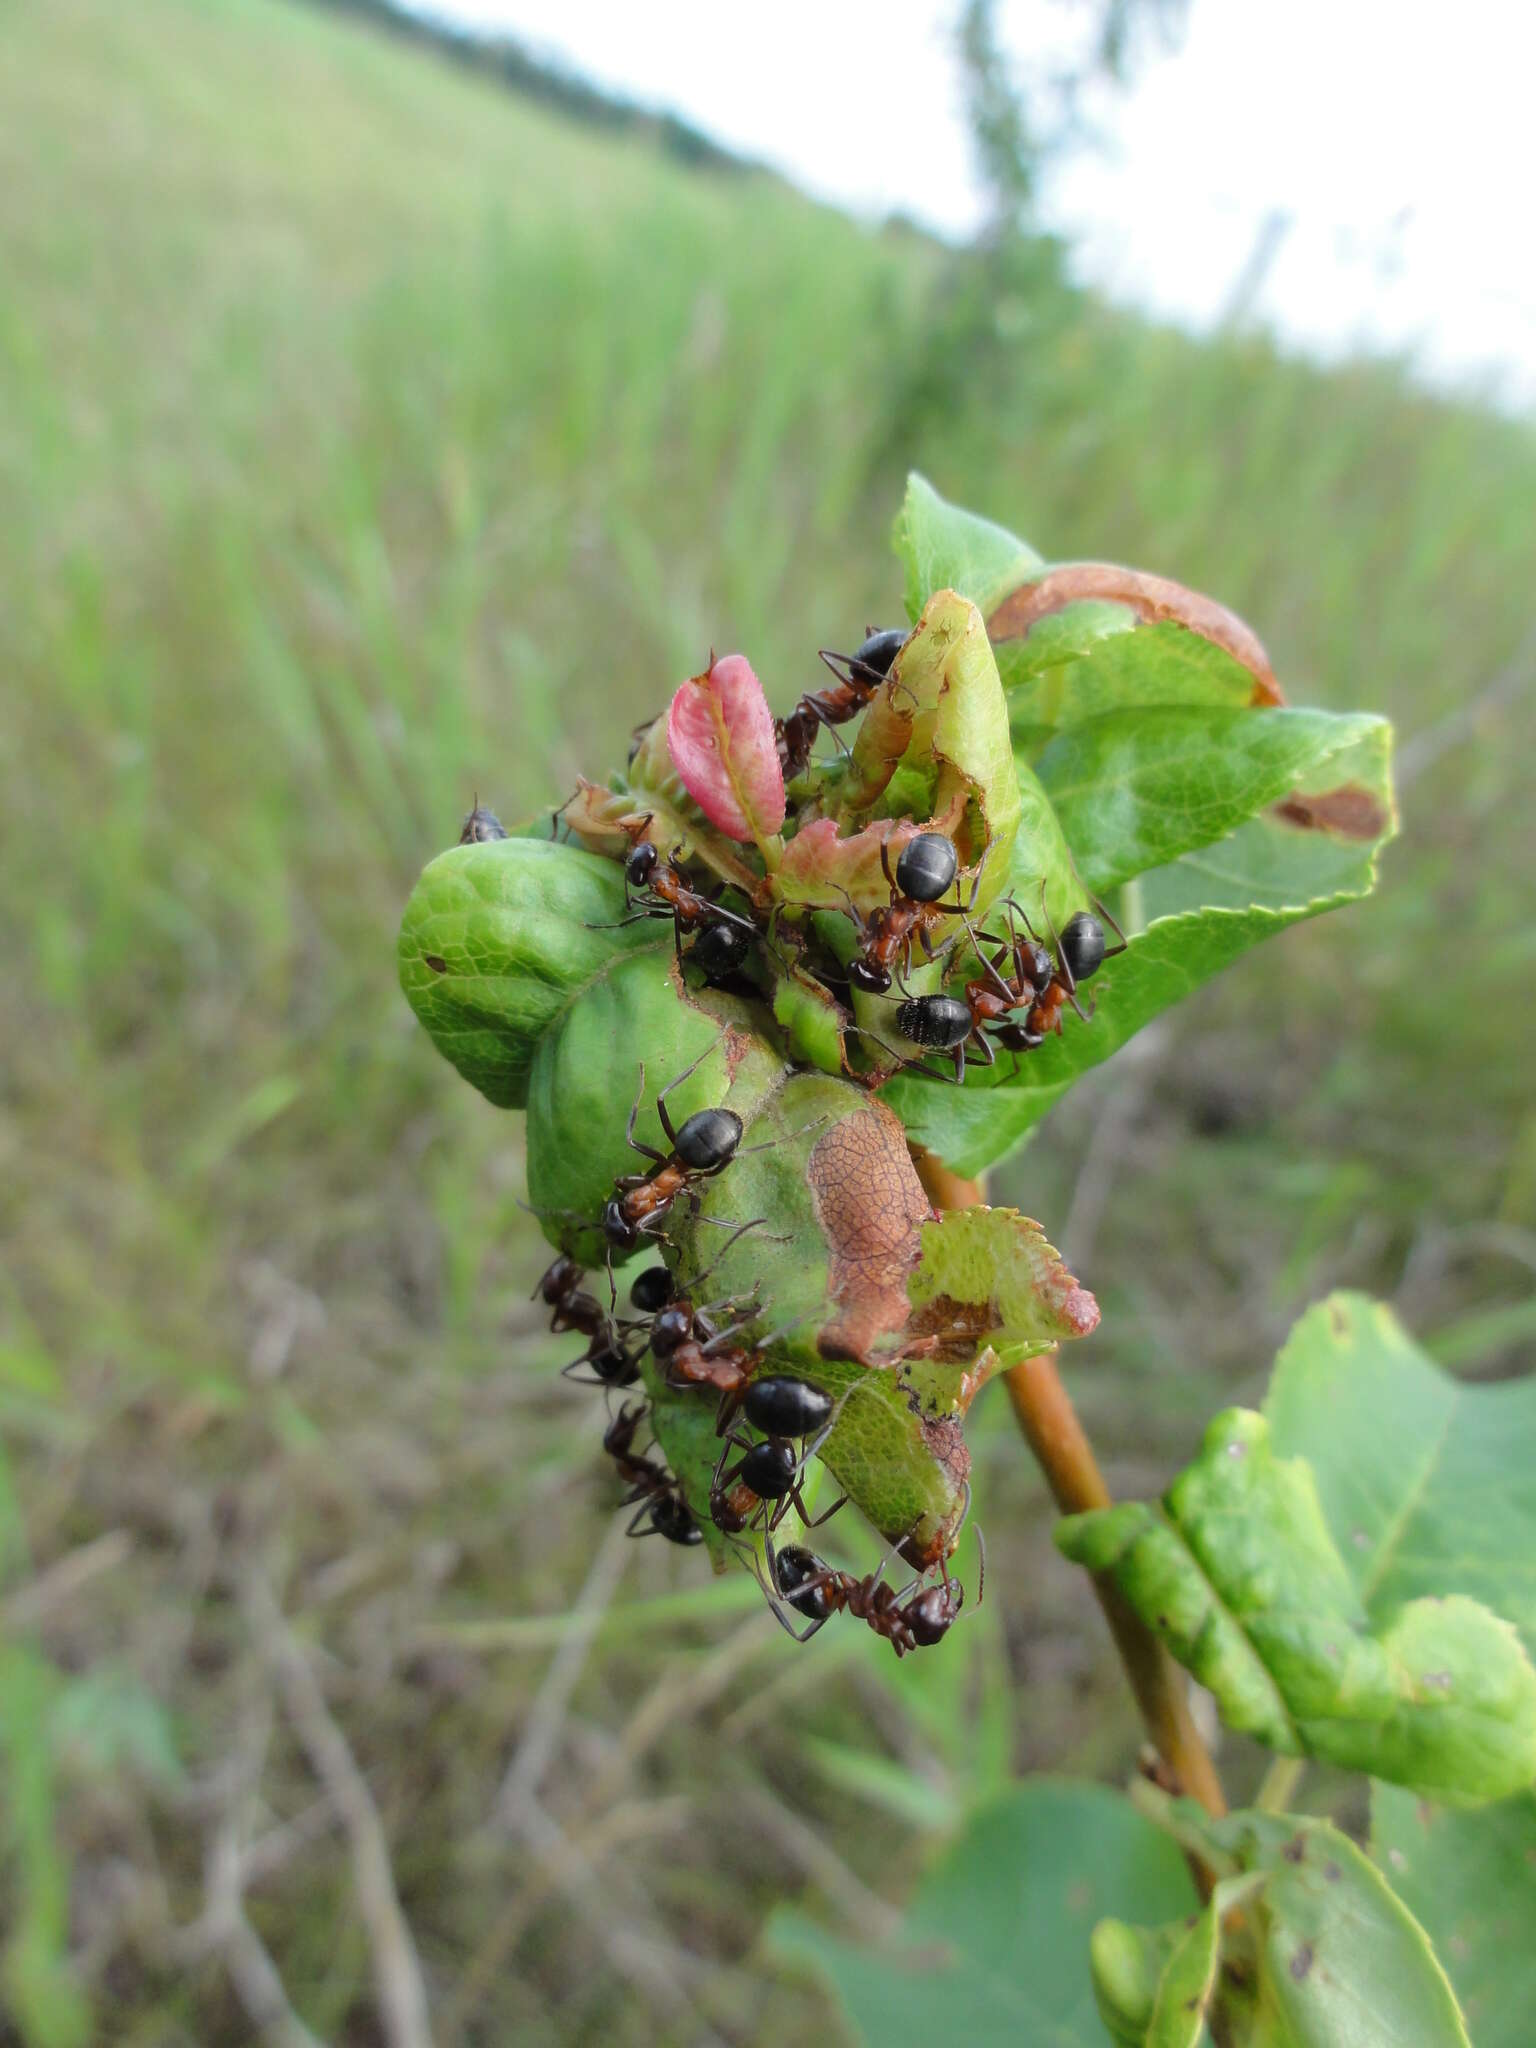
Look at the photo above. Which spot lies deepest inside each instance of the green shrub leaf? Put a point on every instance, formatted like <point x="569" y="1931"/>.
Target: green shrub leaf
<point x="1239" y="1573"/>
<point x="993" y="1951"/>
<point x="1149" y="750"/>
<point x="1135" y="789"/>
<point x="497" y="942"/>
<point x="1302" y="1945"/>
<point x="1454" y="1514"/>
<point x="1468" y="1878"/>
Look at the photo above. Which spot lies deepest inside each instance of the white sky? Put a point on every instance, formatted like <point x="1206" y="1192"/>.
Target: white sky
<point x="1395" y="140"/>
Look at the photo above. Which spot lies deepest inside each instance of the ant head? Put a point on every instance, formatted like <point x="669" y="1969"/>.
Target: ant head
<point x="620" y="1232"/>
<point x="558" y="1278"/>
<point x="926" y="867"/>
<point x="1082" y="945"/>
<point x="708" y="1139"/>
<point x="640" y="864"/>
<point x="867" y="978"/>
<point x="671" y="1328"/>
<point x="651" y="1290"/>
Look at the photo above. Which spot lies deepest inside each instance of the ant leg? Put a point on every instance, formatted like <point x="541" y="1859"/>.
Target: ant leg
<point x="1063" y="969"/>
<point x="1108" y="917"/>
<point x="767" y="1145"/>
<point x="636" y="917"/>
<point x="676" y="1082"/>
<point x="740" y="1230"/>
<point x="646" y="1151"/>
<point x="885" y="868"/>
<point x="730" y="1223"/>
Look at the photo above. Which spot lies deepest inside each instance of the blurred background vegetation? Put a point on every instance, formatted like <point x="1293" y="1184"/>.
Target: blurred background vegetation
<point x="373" y="437"/>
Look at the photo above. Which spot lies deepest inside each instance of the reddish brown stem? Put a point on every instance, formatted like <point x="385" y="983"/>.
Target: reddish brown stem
<point x="1056" y="1436"/>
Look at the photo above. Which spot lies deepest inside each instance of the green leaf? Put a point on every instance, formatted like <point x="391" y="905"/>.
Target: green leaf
<point x="1201" y="912"/>
<point x="1303" y="1945"/>
<point x="1429" y="1485"/>
<point x="942" y="544"/>
<point x="1240" y="1575"/>
<point x="633" y="1034"/>
<point x="988" y="1277"/>
<point x="498" y="941"/>
<point x="1136" y="789"/>
<point x="1470" y="1880"/>
<point x="993" y="1951"/>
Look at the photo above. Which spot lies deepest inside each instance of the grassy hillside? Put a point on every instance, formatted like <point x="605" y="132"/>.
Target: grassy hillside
<point x="371" y="438"/>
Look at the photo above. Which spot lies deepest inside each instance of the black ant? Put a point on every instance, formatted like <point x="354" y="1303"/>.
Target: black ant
<point x="925" y="868"/>
<point x="481" y="825"/>
<point x="611" y="1361"/>
<point x="859" y="677"/>
<point x="660" y="1497"/>
<point x="702" y="1147"/>
<point x="784" y="1409"/>
<point x="914" y="1619"/>
<point x="657" y="888"/>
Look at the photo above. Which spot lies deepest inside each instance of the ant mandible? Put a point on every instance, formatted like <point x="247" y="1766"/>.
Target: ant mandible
<point x="914" y="1619"/>
<point x="858" y="679"/>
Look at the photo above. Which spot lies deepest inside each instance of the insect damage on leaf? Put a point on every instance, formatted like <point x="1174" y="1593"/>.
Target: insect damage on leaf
<point x="1350" y="812"/>
<point x="869" y="1204"/>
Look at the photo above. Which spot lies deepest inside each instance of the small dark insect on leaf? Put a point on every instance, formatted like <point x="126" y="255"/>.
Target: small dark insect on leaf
<point x="481" y="824"/>
<point x="436" y="962"/>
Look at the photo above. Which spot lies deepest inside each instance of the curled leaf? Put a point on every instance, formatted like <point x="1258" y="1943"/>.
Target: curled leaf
<point x="721" y="739"/>
<point x="1302" y="1943"/>
<point x="1239" y="1574"/>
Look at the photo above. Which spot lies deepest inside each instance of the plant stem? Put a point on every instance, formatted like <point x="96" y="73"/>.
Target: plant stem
<point x="1279" y="1784"/>
<point x="1051" y="1427"/>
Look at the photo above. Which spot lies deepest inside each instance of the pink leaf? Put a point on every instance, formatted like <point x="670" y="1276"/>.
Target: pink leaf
<point x="720" y="735"/>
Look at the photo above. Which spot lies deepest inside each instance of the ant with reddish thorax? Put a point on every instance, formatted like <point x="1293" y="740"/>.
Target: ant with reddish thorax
<point x="660" y="1497"/>
<point x="913" y="1619"/>
<point x="925" y="868"/>
<point x="784" y="1409"/>
<point x="654" y="887"/>
<point x="1036" y="983"/>
<point x="858" y="678"/>
<point x="609" y="1357"/>
<point x="702" y="1147"/>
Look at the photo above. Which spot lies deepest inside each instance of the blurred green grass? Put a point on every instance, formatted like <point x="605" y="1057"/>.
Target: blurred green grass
<point x="371" y="439"/>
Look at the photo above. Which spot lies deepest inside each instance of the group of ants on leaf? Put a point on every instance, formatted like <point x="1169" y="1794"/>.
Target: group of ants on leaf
<point x="1015" y="1000"/>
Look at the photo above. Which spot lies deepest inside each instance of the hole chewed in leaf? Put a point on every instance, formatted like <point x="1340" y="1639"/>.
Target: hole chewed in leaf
<point x="1350" y="812"/>
<point x="869" y="1206"/>
<point x="1153" y="598"/>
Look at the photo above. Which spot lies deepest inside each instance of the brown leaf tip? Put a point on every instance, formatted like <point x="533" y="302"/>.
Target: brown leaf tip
<point x="1154" y="599"/>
